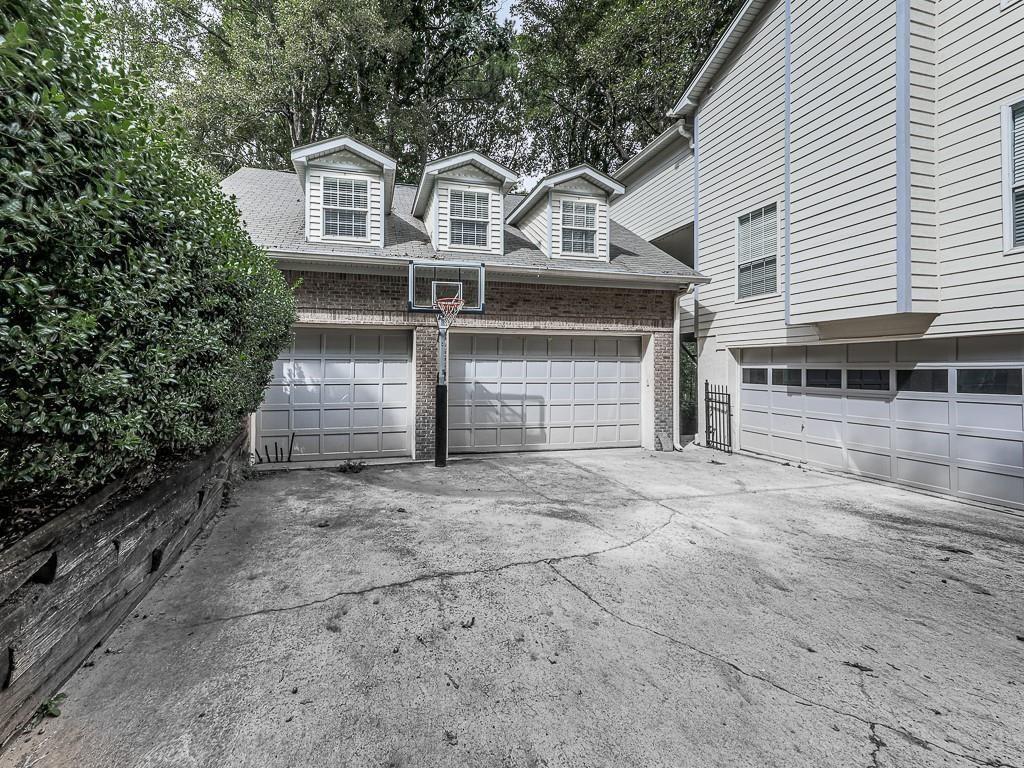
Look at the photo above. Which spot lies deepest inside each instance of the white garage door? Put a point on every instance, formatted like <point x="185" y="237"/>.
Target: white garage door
<point x="880" y="410"/>
<point x="514" y="393"/>
<point x="338" y="394"/>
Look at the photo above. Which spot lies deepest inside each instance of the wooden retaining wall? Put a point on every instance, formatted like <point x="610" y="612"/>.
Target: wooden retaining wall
<point x="66" y="586"/>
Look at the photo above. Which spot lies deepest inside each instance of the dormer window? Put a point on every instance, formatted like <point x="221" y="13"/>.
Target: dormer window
<point x="461" y="200"/>
<point x="346" y="206"/>
<point x="347" y="189"/>
<point x="566" y="214"/>
<point x="470" y="216"/>
<point x="579" y="227"/>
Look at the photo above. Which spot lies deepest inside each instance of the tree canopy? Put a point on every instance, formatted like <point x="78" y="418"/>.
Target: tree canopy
<point x="560" y="83"/>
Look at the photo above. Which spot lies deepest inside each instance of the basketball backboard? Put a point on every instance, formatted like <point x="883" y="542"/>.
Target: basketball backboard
<point x="433" y="280"/>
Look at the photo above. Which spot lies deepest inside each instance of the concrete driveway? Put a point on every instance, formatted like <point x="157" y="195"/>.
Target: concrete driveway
<point x="614" y="608"/>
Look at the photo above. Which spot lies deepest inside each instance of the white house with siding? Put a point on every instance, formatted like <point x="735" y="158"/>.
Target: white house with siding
<point x="850" y="176"/>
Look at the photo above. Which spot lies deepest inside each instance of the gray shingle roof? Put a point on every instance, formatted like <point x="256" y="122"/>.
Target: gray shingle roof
<point x="273" y="212"/>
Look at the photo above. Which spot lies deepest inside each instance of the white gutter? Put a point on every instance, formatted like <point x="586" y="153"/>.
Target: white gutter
<point x="538" y="272"/>
<point x="666" y="137"/>
<point x="676" y="339"/>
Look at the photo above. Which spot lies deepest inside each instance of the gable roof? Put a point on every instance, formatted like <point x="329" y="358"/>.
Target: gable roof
<point x="309" y="153"/>
<point x="274" y="215"/>
<point x="505" y="177"/>
<point x="738" y="27"/>
<point x="611" y="187"/>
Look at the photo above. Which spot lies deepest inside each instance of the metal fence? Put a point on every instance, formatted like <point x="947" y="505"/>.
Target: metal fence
<point x="717" y="417"/>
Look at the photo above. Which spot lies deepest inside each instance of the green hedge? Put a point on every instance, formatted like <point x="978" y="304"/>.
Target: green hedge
<point x="138" y="322"/>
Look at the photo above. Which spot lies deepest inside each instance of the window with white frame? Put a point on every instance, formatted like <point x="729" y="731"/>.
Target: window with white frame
<point x="345" y="207"/>
<point x="470" y="214"/>
<point x="757" y="252"/>
<point x="579" y="227"/>
<point x="1015" y="214"/>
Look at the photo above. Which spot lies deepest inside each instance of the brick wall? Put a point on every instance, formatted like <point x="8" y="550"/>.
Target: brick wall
<point x="337" y="298"/>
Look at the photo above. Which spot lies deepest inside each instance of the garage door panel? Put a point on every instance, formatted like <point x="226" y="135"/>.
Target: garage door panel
<point x="308" y="341"/>
<point x="347" y="395"/>
<point x="869" y="434"/>
<point x="785" y="422"/>
<point x="868" y="408"/>
<point x="336" y="418"/>
<point x="990" y="450"/>
<point x="305" y="419"/>
<point x="962" y="443"/>
<point x="825" y="404"/>
<point x="922" y="411"/>
<point x="874" y="464"/>
<point x="829" y="454"/>
<point x="827" y="429"/>
<point x="556" y="392"/>
<point x="277" y="394"/>
<point x="922" y="441"/>
<point x="272" y="420"/>
<point x="988" y="415"/>
<point x="991" y="486"/>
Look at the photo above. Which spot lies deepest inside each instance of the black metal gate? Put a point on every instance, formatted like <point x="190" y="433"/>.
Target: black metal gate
<point x="717" y="417"/>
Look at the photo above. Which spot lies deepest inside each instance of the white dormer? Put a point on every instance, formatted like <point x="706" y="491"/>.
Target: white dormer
<point x="348" y="187"/>
<point x="566" y="214"/>
<point x="461" y="200"/>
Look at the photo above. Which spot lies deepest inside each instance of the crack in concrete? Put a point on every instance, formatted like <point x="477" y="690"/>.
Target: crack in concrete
<point x="873" y="725"/>
<point x="437" y="575"/>
<point x="877" y="744"/>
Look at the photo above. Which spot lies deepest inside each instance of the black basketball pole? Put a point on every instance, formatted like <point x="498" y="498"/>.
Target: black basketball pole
<point x="441" y="427"/>
<point x="441" y="396"/>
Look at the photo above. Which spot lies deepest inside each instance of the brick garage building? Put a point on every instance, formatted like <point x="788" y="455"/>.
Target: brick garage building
<point x="575" y="349"/>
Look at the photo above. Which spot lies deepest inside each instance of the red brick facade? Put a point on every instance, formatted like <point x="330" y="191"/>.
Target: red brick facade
<point x="335" y="298"/>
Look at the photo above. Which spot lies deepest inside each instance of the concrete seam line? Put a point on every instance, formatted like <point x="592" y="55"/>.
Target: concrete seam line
<point x="800" y="699"/>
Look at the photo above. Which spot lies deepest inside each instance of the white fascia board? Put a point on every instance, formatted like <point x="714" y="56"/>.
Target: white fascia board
<point x="738" y="27"/>
<point x="505" y="177"/>
<point x="612" y="188"/>
<point x="308" y="153"/>
<point x="664" y="139"/>
<point x="341" y="262"/>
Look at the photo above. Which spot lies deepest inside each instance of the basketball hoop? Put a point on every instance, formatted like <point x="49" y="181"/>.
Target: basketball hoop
<point x="447" y="308"/>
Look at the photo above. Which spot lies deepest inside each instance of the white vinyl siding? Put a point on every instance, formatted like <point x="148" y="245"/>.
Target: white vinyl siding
<point x="843" y="173"/>
<point x="469" y="216"/>
<point x="980" y="74"/>
<point x="579" y="227"/>
<point x="345" y="208"/>
<point x="659" y="199"/>
<point x="757" y="252"/>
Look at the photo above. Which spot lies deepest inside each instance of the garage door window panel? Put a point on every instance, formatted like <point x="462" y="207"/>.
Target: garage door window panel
<point x="869" y="379"/>
<point x="923" y="380"/>
<point x="825" y="378"/>
<point x="787" y="377"/>
<point x="988" y="381"/>
<point x="755" y="376"/>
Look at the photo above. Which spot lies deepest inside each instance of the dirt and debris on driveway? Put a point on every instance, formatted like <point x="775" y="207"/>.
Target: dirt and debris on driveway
<point x="608" y="608"/>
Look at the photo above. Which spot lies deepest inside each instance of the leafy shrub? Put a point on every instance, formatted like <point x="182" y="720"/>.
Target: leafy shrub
<point x="138" y="322"/>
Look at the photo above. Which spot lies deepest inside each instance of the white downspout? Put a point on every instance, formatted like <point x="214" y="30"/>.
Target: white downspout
<point x="676" y="340"/>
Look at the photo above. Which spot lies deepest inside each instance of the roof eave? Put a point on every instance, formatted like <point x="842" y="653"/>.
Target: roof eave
<point x="512" y="269"/>
<point x="666" y="137"/>
<point x="614" y="189"/>
<point x="737" y="28"/>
